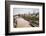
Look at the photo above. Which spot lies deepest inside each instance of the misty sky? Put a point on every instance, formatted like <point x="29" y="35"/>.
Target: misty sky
<point x="24" y="10"/>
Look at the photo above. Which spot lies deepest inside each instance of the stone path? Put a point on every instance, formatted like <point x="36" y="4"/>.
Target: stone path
<point x="22" y="22"/>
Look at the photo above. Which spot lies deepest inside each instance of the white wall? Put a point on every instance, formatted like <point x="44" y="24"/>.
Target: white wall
<point x="2" y="17"/>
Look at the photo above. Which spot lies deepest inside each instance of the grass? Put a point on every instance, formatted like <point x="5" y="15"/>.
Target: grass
<point x="33" y="18"/>
<point x="30" y="18"/>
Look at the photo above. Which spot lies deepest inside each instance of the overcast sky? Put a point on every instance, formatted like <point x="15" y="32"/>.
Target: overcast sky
<point x="24" y="10"/>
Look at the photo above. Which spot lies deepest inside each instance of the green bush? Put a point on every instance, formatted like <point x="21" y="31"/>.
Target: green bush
<point x="30" y="18"/>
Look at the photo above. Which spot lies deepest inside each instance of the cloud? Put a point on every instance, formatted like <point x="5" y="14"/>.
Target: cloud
<point x="24" y="10"/>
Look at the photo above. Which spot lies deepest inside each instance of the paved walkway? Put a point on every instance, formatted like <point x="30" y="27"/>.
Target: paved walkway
<point x="22" y="22"/>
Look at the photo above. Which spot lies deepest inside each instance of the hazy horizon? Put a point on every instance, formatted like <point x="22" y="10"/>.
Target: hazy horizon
<point x="24" y="10"/>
